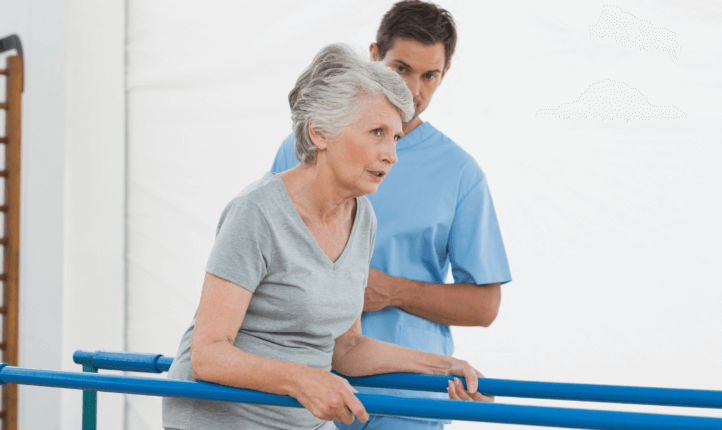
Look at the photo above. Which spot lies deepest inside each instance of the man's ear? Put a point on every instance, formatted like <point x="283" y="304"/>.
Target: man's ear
<point x="316" y="138"/>
<point x="374" y="52"/>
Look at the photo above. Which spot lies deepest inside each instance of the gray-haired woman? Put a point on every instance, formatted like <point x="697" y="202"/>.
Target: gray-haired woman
<point x="283" y="293"/>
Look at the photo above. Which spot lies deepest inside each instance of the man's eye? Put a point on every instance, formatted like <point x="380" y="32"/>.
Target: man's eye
<point x="396" y="138"/>
<point x="400" y="68"/>
<point x="376" y="131"/>
<point x="430" y="76"/>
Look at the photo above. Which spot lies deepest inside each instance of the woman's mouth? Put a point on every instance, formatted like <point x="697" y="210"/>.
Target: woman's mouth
<point x="376" y="175"/>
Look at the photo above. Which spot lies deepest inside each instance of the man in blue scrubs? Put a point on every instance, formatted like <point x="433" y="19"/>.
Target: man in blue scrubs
<point x="434" y="210"/>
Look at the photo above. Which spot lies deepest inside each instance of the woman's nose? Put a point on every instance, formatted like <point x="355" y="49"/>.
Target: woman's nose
<point x="389" y="154"/>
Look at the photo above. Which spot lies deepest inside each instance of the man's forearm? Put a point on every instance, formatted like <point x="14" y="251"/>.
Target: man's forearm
<point x="462" y="304"/>
<point x="371" y="357"/>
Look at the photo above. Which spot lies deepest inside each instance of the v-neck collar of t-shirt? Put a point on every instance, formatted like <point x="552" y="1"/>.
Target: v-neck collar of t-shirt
<point x="416" y="136"/>
<point x="309" y="236"/>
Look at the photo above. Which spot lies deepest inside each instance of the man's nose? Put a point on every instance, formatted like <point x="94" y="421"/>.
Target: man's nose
<point x="413" y="84"/>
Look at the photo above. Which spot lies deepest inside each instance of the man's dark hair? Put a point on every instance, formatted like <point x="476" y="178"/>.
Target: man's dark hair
<point x="418" y="20"/>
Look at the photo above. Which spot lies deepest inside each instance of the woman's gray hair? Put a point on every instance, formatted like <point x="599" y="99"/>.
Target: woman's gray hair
<point x="328" y="89"/>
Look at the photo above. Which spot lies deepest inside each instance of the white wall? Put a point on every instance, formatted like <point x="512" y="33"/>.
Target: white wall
<point x="42" y="27"/>
<point x="72" y="228"/>
<point x="610" y="226"/>
<point x="94" y="265"/>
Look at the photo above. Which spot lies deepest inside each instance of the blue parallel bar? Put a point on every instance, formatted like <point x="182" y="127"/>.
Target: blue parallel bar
<point x="553" y="390"/>
<point x="496" y="387"/>
<point x="377" y="404"/>
<point x="163" y="363"/>
<point x="111" y="360"/>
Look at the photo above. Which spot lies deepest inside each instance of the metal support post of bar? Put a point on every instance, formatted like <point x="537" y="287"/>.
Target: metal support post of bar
<point x="90" y="403"/>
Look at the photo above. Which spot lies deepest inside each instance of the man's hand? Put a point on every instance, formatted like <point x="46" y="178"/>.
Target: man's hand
<point x="379" y="291"/>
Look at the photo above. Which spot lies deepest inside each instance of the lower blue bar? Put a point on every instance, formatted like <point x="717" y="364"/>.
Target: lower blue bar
<point x="375" y="404"/>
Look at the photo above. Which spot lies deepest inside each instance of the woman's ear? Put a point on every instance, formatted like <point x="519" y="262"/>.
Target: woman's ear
<point x="374" y="52"/>
<point x="316" y="138"/>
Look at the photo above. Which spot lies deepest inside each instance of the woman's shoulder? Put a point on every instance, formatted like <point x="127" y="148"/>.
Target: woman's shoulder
<point x="263" y="193"/>
<point x="256" y="190"/>
<point x="256" y="198"/>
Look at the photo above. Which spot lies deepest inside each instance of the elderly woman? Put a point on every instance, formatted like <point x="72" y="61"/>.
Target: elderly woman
<point x="284" y="289"/>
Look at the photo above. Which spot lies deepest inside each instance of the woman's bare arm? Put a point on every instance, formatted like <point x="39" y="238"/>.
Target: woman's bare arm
<point x="358" y="355"/>
<point x="220" y="314"/>
<point x="221" y="311"/>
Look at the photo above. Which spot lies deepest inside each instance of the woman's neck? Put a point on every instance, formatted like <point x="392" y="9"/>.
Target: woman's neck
<point x="317" y="192"/>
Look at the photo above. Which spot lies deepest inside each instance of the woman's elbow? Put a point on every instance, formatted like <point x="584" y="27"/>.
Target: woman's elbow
<point x="208" y="356"/>
<point x="196" y="366"/>
<point x="340" y="357"/>
<point x="199" y="364"/>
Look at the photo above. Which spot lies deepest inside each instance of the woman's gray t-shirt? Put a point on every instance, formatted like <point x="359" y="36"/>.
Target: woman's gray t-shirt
<point x="301" y="300"/>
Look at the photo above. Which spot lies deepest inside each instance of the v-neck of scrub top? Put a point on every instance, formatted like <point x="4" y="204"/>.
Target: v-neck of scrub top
<point x="309" y="236"/>
<point x="416" y="137"/>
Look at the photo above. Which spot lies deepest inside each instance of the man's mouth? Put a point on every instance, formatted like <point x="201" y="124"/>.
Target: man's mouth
<point x="378" y="174"/>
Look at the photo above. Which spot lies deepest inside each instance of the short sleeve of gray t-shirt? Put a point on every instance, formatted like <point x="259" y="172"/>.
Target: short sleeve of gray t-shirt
<point x="301" y="302"/>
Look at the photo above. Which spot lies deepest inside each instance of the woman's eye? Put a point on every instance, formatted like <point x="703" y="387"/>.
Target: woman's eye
<point x="400" y="68"/>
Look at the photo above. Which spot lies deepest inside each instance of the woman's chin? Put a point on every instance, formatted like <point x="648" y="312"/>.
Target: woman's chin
<point x="366" y="186"/>
<point x="372" y="188"/>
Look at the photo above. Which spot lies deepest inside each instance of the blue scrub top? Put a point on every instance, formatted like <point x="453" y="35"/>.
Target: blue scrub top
<point x="434" y="210"/>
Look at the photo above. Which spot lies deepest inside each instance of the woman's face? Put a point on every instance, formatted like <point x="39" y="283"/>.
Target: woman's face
<point x="363" y="153"/>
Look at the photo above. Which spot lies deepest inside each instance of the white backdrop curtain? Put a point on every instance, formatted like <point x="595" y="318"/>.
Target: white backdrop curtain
<point x="611" y="226"/>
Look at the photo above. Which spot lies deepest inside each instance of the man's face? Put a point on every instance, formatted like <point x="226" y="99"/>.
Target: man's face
<point x="421" y="66"/>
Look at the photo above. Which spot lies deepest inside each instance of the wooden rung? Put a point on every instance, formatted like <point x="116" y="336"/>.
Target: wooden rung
<point x="3" y="241"/>
<point x="3" y="345"/>
<point x="3" y="310"/>
<point x="3" y="173"/>
<point x="3" y="105"/>
<point x="3" y="277"/>
<point x="3" y="414"/>
<point x="3" y="139"/>
<point x="3" y="208"/>
<point x="3" y="71"/>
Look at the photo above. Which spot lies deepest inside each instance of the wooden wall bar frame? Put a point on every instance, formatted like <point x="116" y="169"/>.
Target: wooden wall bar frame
<point x="11" y="238"/>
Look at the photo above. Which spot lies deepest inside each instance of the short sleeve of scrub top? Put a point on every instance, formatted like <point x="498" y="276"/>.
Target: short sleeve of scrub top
<point x="476" y="250"/>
